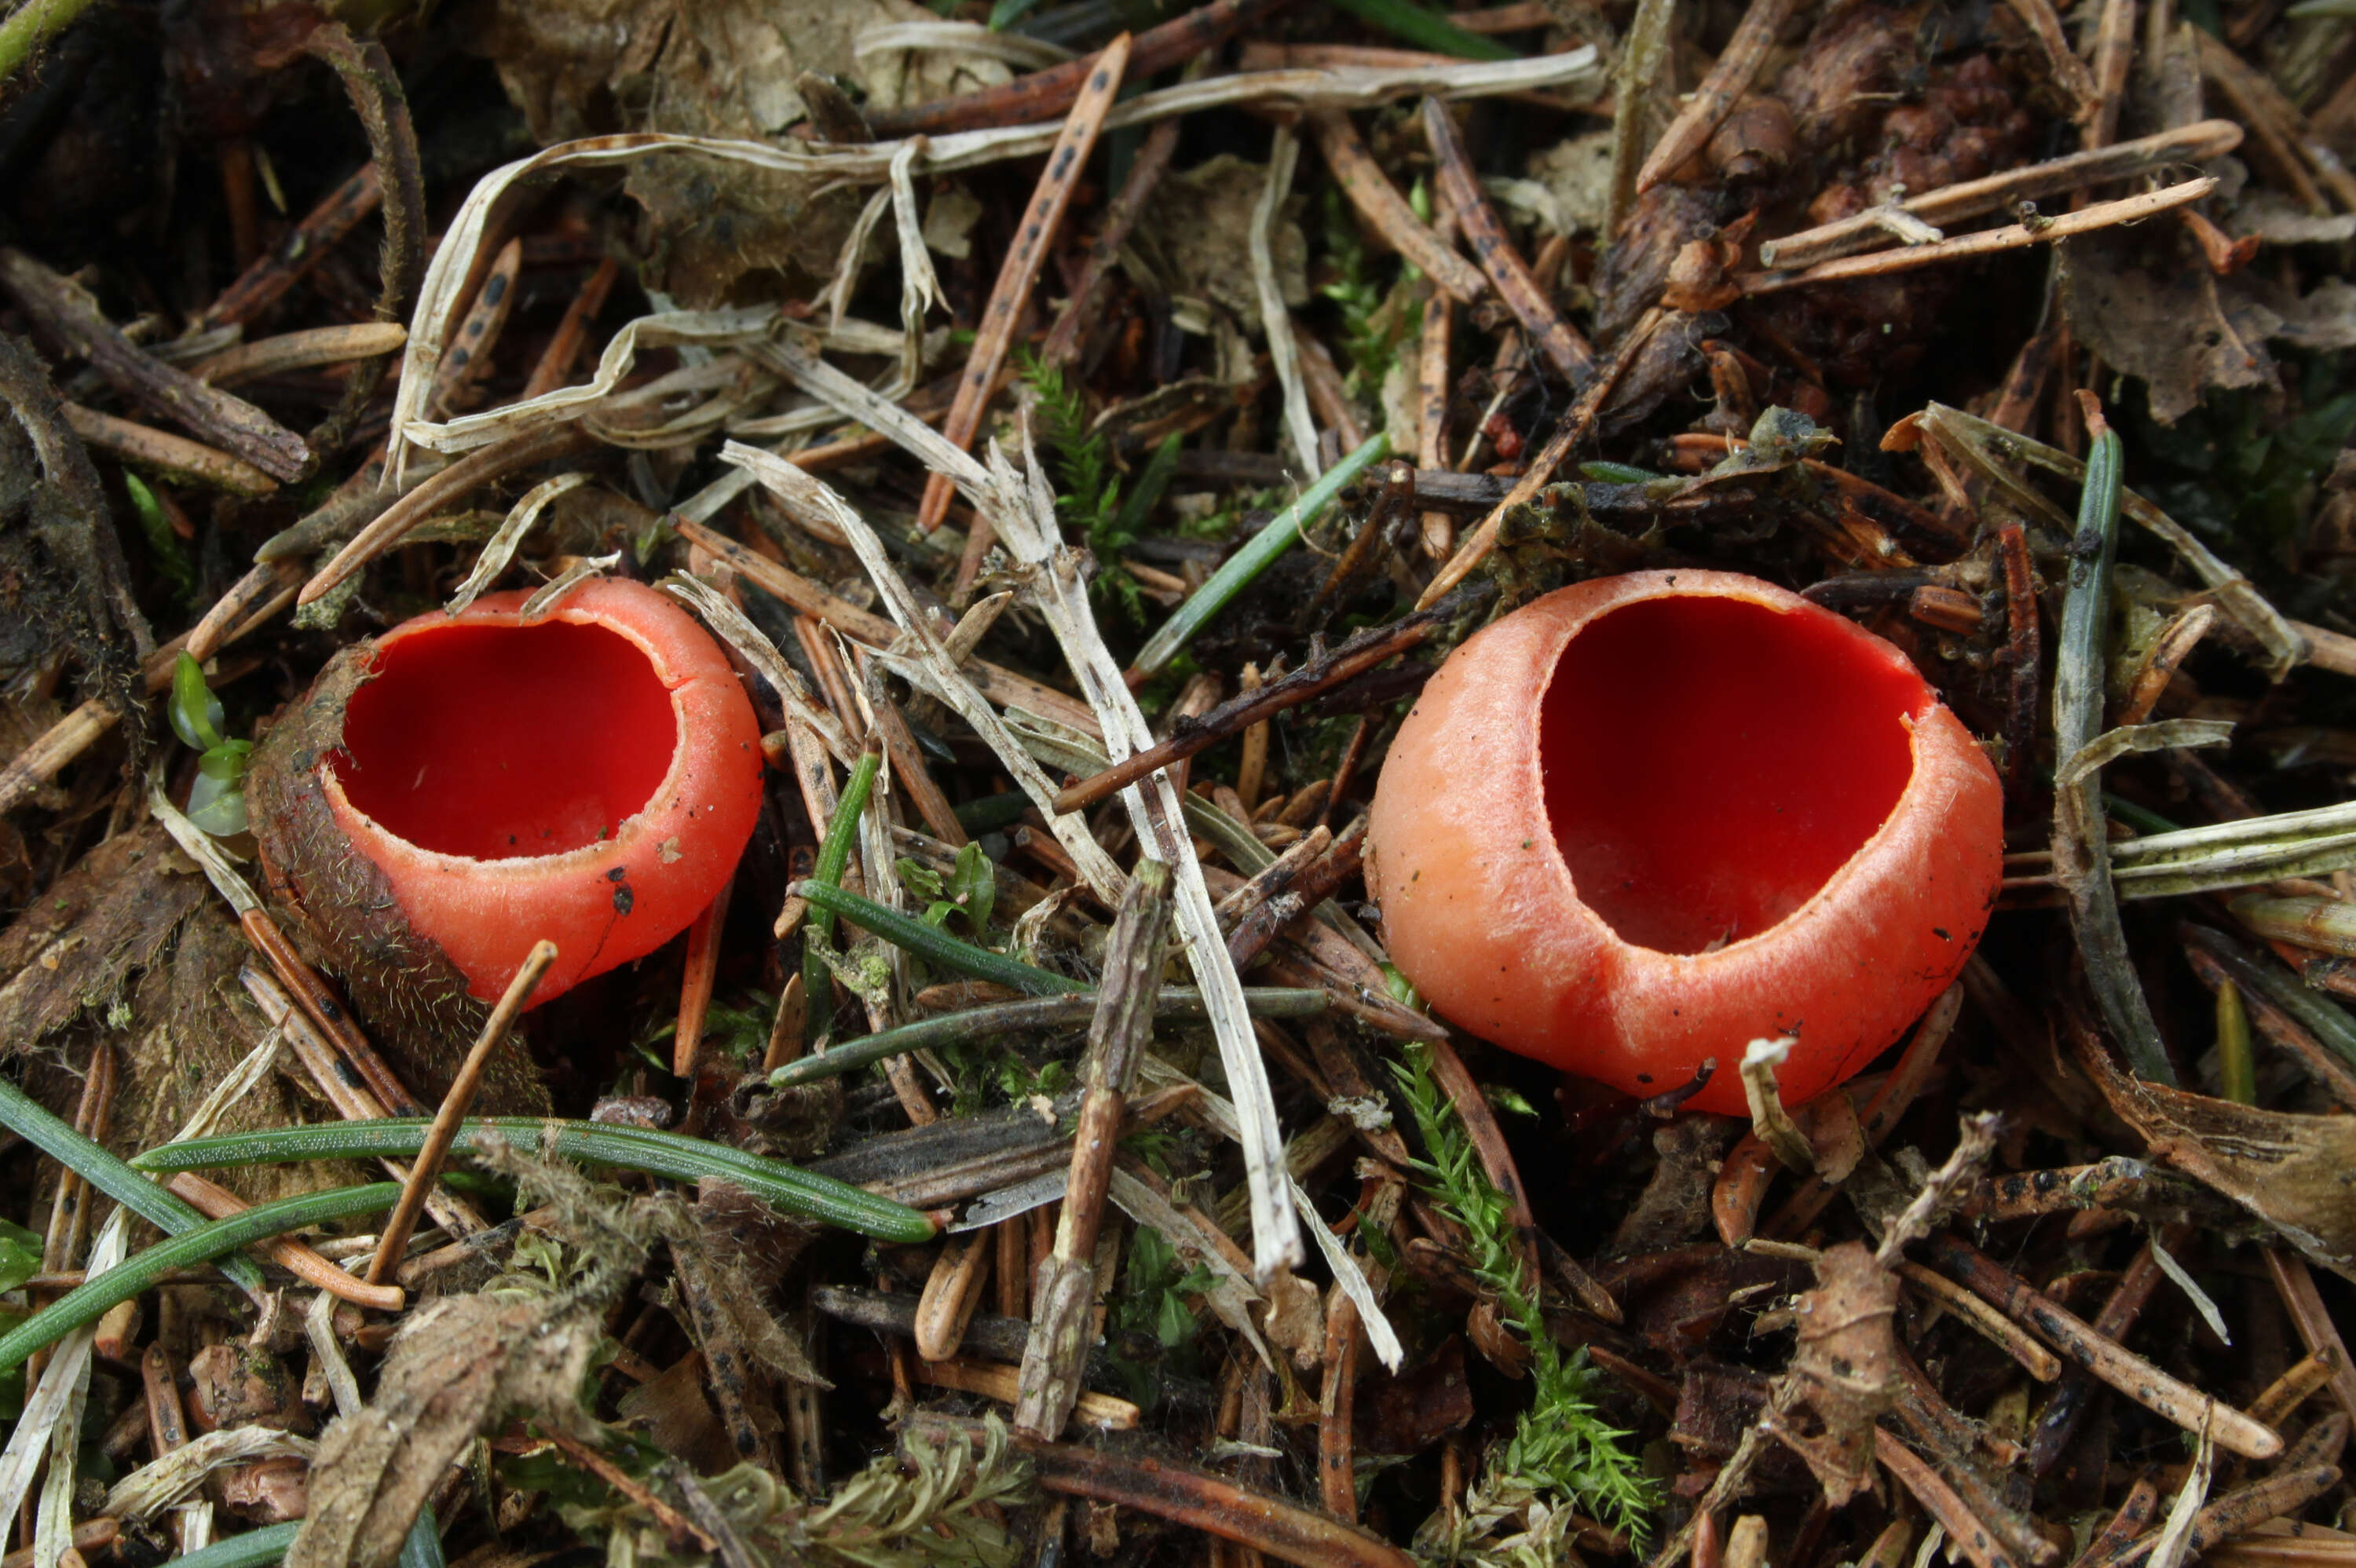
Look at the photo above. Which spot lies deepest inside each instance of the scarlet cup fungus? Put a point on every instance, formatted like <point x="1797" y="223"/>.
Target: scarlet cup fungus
<point x="468" y="785"/>
<point x="1645" y="820"/>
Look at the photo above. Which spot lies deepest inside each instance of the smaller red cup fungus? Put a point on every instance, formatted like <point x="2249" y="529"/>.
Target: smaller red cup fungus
<point x="464" y="786"/>
<point x="1642" y="821"/>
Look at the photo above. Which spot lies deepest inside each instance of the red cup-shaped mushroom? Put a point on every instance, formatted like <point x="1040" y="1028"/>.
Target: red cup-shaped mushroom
<point x="1641" y="822"/>
<point x="468" y="785"/>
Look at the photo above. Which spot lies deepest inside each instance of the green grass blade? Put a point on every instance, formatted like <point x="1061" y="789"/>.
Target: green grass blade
<point x="671" y="1155"/>
<point x="834" y="857"/>
<point x="25" y="1116"/>
<point x="1236" y="572"/>
<point x="937" y="946"/>
<point x="87" y="1302"/>
<point x="255" y="1549"/>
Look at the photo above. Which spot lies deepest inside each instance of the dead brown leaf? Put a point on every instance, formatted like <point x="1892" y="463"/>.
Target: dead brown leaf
<point x="588" y="67"/>
<point x="2297" y="1173"/>
<point x="460" y="1364"/>
<point x="2161" y="317"/>
<point x="1194" y="239"/>
<point x="1843" y="1371"/>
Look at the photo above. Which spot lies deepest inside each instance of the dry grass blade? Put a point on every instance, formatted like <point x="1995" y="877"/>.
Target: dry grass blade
<point x="1997" y="193"/>
<point x="1028" y="527"/>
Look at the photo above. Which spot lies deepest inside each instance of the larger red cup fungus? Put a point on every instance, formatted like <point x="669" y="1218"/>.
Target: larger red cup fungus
<point x="468" y="785"/>
<point x="1642" y="821"/>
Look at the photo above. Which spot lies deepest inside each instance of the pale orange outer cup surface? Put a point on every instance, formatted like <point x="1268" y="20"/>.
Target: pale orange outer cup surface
<point x="604" y="903"/>
<point x="1479" y="909"/>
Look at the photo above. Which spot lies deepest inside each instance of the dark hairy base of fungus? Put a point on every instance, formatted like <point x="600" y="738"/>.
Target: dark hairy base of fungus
<point x="343" y="915"/>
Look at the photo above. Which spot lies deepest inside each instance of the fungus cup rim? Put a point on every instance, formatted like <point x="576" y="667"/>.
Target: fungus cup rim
<point x="331" y="782"/>
<point x="1864" y="643"/>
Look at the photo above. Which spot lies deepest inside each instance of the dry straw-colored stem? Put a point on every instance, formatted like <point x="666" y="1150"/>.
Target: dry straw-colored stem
<point x="2013" y="237"/>
<point x="1968" y="198"/>
<point x="427" y="1168"/>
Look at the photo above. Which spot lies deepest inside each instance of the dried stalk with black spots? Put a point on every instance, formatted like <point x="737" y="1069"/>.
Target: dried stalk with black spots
<point x="1064" y="1288"/>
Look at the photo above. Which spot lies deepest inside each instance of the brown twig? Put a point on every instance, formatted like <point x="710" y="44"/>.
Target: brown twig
<point x="1280" y="900"/>
<point x="951" y="1296"/>
<point x="1940" y="1501"/>
<point x="908" y="769"/>
<point x="2070" y="73"/>
<point x="66" y="314"/>
<point x="306" y="245"/>
<point x="1997" y="1329"/>
<point x="1379" y="203"/>
<point x="427" y="1168"/>
<point x="995" y="1380"/>
<point x="1363" y="652"/>
<point x="219" y="1203"/>
<point x="1432" y="393"/>
<point x="2100" y="1355"/>
<point x="326" y="1010"/>
<point x="2134" y="1512"/>
<point x="1066" y="1286"/>
<point x="582" y="1456"/>
<point x="2167" y="650"/>
<point x="436" y="493"/>
<point x="2058" y="1423"/>
<point x="175" y="456"/>
<point x="1564" y="348"/>
<point x="701" y="970"/>
<point x="1707" y="106"/>
<point x="2294" y="1284"/>
<point x="1891" y="1102"/>
<point x="374" y="88"/>
<point x="2283" y="134"/>
<point x="1474" y="549"/>
<point x="2239" y="1511"/>
<point x="554" y="367"/>
<point x="2023" y="648"/>
<point x="1196" y="1499"/>
<point x="1048" y="94"/>
<point x="2113" y="54"/>
<point x="2279" y="1398"/>
<point x="299" y="350"/>
<point x="1035" y="231"/>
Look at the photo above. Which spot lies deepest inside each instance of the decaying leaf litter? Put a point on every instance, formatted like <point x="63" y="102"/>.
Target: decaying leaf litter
<point x="1032" y="1156"/>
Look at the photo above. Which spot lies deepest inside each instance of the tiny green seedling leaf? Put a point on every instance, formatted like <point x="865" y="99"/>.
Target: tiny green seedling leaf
<point x="973" y="885"/>
<point x="197" y="713"/>
<point x="20" y="1254"/>
<point x="171" y="556"/>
